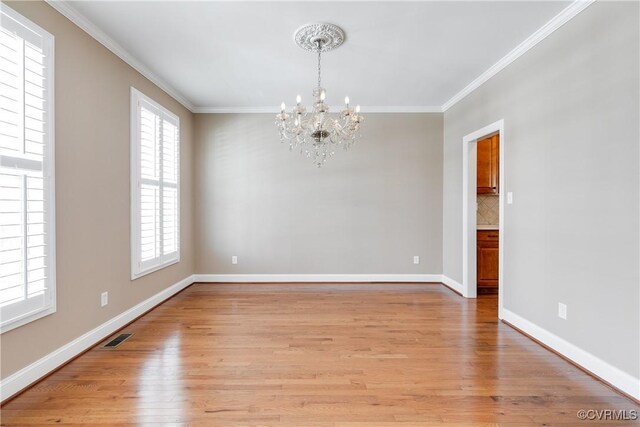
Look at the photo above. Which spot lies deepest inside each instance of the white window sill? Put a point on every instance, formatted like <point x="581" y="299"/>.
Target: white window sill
<point x="44" y="311"/>
<point x="139" y="274"/>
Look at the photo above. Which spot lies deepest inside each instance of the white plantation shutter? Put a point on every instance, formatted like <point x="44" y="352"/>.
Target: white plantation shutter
<point x="27" y="244"/>
<point x="155" y="148"/>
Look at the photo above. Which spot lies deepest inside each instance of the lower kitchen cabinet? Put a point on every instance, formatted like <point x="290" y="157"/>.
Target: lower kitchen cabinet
<point x="487" y="261"/>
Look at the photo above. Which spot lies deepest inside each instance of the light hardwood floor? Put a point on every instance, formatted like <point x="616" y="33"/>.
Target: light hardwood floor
<point x="318" y="355"/>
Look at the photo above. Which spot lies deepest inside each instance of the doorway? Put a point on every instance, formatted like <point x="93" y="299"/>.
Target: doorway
<point x="490" y="184"/>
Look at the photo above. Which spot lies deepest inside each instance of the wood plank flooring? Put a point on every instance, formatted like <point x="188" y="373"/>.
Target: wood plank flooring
<point x="318" y="355"/>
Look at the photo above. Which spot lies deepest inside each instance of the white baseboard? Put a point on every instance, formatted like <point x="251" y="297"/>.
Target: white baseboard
<point x="38" y="369"/>
<point x="614" y="376"/>
<point x="293" y="278"/>
<point x="450" y="283"/>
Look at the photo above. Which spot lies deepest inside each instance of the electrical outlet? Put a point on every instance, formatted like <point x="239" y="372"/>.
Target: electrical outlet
<point x="234" y="259"/>
<point x="104" y="299"/>
<point x="562" y="311"/>
<point x="416" y="259"/>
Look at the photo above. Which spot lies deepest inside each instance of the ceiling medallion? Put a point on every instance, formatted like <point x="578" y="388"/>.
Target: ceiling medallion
<point x="308" y="35"/>
<point x="317" y="134"/>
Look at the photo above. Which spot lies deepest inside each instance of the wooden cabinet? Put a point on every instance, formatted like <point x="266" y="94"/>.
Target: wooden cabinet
<point x="487" y="261"/>
<point x="489" y="165"/>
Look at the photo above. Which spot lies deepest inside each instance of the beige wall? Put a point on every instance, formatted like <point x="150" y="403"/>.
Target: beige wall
<point x="571" y="116"/>
<point x="92" y="192"/>
<point x="369" y="210"/>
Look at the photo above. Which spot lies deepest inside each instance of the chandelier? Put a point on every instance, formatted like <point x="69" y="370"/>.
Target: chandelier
<point x="317" y="134"/>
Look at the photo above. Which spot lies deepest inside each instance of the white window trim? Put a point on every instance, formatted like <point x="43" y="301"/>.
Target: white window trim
<point x="136" y="270"/>
<point x="49" y="173"/>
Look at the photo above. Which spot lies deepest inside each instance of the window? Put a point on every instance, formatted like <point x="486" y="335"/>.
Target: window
<point x="155" y="186"/>
<point x="27" y="209"/>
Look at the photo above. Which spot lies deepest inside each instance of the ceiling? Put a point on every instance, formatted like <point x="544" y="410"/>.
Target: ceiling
<point x="233" y="55"/>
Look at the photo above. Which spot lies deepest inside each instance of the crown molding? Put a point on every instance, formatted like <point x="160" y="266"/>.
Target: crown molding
<point x="236" y="110"/>
<point x="90" y="28"/>
<point x="543" y="32"/>
<point x="402" y="109"/>
<point x="275" y="109"/>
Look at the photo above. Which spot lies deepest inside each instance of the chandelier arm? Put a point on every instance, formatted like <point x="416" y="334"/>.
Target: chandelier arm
<point x="287" y="131"/>
<point x="343" y="124"/>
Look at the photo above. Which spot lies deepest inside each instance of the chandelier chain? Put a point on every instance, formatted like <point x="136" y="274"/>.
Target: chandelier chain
<point x="319" y="56"/>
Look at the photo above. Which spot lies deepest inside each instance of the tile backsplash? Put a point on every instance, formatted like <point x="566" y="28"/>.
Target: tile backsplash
<point x="488" y="209"/>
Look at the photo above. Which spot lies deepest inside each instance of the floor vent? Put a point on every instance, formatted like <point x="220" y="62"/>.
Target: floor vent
<point x="117" y="341"/>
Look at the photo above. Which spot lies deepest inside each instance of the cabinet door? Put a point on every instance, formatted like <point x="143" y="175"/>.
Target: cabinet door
<point x="488" y="265"/>
<point x="488" y="165"/>
<point x="484" y="166"/>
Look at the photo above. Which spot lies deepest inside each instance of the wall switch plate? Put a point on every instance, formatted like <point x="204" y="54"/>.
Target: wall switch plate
<point x="509" y="198"/>
<point x="234" y="259"/>
<point x="562" y="311"/>
<point x="104" y="299"/>
<point x="416" y="259"/>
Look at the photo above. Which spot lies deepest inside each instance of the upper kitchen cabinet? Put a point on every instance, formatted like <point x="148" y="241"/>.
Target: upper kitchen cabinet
<point x="489" y="165"/>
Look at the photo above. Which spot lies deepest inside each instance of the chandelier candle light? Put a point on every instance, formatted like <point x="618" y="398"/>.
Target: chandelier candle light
<point x="318" y="134"/>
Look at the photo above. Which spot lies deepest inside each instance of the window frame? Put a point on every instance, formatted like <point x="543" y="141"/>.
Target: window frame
<point x="137" y="270"/>
<point x="48" y="175"/>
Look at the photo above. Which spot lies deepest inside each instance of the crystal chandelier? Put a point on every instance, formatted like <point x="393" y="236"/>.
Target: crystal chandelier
<point x="318" y="134"/>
